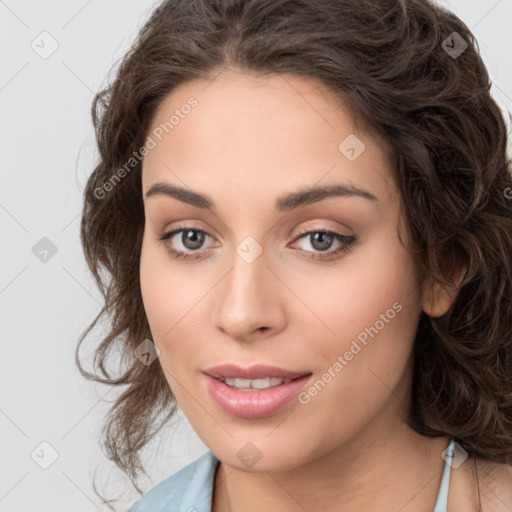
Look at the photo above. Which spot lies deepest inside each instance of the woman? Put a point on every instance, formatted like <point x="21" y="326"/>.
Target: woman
<point x="302" y="209"/>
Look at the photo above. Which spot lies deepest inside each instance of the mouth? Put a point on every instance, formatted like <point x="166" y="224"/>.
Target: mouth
<point x="253" y="398"/>
<point x="255" y="384"/>
<point x="259" y="372"/>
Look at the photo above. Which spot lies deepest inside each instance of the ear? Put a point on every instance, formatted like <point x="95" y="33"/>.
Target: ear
<point x="437" y="298"/>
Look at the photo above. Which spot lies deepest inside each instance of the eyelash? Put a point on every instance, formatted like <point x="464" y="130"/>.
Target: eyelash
<point x="347" y="243"/>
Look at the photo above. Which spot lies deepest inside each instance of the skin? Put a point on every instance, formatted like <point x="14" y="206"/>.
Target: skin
<point x="248" y="141"/>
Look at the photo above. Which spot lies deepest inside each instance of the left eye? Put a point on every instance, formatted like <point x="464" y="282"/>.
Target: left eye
<point x="321" y="240"/>
<point x="192" y="239"/>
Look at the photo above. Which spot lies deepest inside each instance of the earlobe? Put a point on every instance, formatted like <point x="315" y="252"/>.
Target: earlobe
<point x="437" y="298"/>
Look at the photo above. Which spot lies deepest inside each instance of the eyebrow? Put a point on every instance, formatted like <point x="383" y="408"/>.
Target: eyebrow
<point x="284" y="203"/>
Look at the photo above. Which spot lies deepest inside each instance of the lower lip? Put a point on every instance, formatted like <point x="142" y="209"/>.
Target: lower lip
<point x="254" y="404"/>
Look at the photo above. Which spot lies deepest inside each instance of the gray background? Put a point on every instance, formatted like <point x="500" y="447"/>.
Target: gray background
<point x="47" y="151"/>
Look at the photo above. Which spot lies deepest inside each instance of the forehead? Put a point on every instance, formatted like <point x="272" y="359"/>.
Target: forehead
<point x="250" y="128"/>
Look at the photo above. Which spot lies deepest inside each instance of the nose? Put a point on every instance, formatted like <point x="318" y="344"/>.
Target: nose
<point x="249" y="302"/>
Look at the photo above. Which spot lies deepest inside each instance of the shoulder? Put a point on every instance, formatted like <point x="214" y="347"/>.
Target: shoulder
<point x="495" y="483"/>
<point x="188" y="489"/>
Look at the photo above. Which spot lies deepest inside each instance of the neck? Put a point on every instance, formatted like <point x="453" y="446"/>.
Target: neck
<point x="398" y="471"/>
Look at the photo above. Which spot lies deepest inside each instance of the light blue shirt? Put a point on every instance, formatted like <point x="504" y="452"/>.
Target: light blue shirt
<point x="190" y="489"/>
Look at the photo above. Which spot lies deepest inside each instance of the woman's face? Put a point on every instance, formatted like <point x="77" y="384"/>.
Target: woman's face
<point x="255" y="290"/>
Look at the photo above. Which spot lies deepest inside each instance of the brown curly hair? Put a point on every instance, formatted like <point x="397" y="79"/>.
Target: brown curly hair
<point x="389" y="61"/>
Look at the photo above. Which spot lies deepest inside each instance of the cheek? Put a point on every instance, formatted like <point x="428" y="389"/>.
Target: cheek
<point x="367" y="313"/>
<point x="347" y="298"/>
<point x="154" y="284"/>
<point x="365" y="362"/>
<point x="173" y="304"/>
<point x="164" y="292"/>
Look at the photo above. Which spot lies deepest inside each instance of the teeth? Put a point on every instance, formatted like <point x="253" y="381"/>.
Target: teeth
<point x="248" y="384"/>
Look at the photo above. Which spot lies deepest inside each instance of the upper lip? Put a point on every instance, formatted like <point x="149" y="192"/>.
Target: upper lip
<point x="258" y="371"/>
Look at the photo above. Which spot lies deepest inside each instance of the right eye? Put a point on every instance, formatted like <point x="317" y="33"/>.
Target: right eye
<point x="191" y="239"/>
